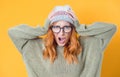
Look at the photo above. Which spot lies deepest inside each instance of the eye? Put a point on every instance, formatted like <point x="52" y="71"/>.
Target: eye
<point x="67" y="28"/>
<point x="55" y="28"/>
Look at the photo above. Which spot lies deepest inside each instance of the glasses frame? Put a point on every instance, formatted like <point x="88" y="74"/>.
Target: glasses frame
<point x="61" y="28"/>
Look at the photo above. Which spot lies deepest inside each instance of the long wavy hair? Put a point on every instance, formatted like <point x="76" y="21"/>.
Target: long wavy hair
<point x="71" y="49"/>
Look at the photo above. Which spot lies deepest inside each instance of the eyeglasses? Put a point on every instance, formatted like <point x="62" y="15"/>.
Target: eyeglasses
<point x="57" y="29"/>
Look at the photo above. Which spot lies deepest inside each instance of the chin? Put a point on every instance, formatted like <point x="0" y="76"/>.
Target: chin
<point x="61" y="44"/>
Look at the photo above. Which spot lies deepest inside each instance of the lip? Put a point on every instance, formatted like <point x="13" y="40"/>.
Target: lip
<point x="62" y="41"/>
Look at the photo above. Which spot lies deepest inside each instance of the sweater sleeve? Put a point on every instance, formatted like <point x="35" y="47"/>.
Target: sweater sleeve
<point x="22" y="33"/>
<point x="100" y="30"/>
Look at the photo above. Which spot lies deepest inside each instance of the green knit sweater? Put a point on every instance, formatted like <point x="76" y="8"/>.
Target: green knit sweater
<point x="94" y="39"/>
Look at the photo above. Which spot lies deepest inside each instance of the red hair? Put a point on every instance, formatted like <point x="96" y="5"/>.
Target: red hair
<point x="71" y="50"/>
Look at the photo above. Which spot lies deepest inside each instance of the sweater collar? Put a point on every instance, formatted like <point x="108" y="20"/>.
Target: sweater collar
<point x="60" y="48"/>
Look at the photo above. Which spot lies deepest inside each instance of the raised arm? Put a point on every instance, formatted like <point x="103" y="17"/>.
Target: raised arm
<point x="100" y="30"/>
<point x="22" y="33"/>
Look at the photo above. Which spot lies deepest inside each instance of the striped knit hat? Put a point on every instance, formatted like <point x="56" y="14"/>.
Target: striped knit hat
<point x="60" y="13"/>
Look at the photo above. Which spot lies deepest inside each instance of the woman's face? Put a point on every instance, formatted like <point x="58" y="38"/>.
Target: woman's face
<point x="62" y="32"/>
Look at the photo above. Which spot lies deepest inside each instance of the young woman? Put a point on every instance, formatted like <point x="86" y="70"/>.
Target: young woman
<point x="69" y="49"/>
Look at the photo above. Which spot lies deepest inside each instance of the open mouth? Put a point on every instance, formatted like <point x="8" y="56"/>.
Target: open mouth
<point x="62" y="40"/>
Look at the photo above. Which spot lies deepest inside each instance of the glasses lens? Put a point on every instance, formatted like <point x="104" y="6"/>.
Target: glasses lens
<point x="55" y="28"/>
<point x="67" y="28"/>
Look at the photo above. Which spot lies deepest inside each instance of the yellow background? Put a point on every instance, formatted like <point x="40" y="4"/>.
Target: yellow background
<point x="33" y="12"/>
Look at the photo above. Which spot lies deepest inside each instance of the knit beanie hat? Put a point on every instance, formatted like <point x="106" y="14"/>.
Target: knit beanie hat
<point x="60" y="13"/>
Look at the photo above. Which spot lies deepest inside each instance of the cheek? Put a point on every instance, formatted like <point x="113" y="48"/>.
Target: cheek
<point x="55" y="35"/>
<point x="68" y="35"/>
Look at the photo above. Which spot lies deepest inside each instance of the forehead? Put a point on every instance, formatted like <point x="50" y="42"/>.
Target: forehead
<point x="61" y="23"/>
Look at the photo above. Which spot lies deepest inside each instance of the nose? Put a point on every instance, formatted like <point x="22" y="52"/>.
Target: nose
<point x="61" y="32"/>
